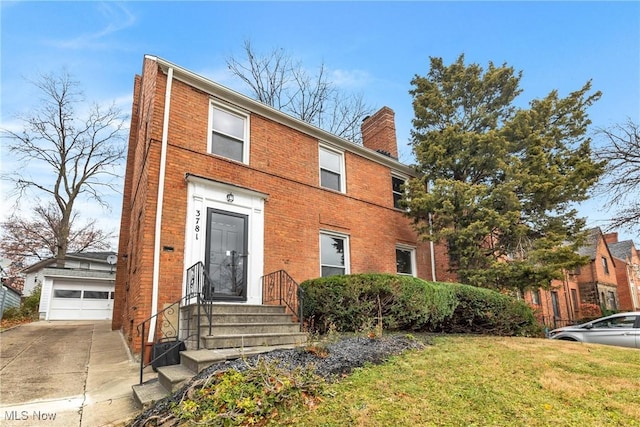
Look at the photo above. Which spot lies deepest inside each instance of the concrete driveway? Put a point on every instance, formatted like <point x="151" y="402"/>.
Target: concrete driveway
<point x="65" y="373"/>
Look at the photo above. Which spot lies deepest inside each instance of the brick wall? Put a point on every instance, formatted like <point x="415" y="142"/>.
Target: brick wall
<point x="283" y="164"/>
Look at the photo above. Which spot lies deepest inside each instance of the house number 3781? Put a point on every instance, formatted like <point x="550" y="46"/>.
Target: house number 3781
<point x="197" y="226"/>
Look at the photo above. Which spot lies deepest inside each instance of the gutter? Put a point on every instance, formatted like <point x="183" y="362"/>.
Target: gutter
<point x="158" y="230"/>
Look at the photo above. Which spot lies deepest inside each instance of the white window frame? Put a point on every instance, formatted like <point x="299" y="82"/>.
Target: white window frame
<point x="342" y="172"/>
<point x="347" y="257"/>
<point x="404" y="193"/>
<point x="412" y="250"/>
<point x="246" y="143"/>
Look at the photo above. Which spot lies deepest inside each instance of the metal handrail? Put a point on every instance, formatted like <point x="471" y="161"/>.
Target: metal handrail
<point x="281" y="287"/>
<point x="198" y="287"/>
<point x="174" y="331"/>
<point x="201" y="285"/>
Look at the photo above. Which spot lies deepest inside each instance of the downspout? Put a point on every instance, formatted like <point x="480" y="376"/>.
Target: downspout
<point x="432" y="249"/>
<point x="163" y="167"/>
<point x="595" y="284"/>
<point x="567" y="297"/>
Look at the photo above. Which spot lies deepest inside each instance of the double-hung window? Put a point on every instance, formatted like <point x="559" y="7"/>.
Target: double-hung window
<point x="406" y="260"/>
<point x="229" y="133"/>
<point x="334" y="254"/>
<point x="331" y="169"/>
<point x="397" y="190"/>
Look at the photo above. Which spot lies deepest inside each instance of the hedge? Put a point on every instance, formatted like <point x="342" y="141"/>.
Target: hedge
<point x="357" y="302"/>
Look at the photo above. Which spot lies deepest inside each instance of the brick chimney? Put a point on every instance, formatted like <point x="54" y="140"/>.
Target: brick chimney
<point x="611" y="238"/>
<point x="379" y="132"/>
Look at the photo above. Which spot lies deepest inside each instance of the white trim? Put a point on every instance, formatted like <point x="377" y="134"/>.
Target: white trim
<point x="246" y="141"/>
<point x="160" y="204"/>
<point x="347" y="249"/>
<point x="412" y="251"/>
<point x="404" y="179"/>
<point x="343" y="171"/>
<point x="203" y="194"/>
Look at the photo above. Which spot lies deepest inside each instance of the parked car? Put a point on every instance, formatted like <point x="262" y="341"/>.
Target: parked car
<point x="622" y="329"/>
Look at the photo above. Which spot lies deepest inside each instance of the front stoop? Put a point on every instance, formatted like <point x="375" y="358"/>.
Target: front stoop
<point x="238" y="330"/>
<point x="192" y="362"/>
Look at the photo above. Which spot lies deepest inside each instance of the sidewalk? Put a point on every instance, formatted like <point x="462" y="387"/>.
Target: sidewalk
<point x="66" y="373"/>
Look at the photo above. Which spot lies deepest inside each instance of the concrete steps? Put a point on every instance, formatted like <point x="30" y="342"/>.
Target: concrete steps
<point x="192" y="362"/>
<point x="238" y="330"/>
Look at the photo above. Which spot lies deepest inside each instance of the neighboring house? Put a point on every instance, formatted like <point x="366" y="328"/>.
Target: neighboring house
<point x="11" y="290"/>
<point x="215" y="177"/>
<point x="627" y="271"/>
<point x="559" y="305"/>
<point x="81" y="289"/>
<point x="597" y="280"/>
<point x="9" y="295"/>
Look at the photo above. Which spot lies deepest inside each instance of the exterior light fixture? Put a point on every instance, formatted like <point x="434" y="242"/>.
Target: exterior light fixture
<point x="230" y="197"/>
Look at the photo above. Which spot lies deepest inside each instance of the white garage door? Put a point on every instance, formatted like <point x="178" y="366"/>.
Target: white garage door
<point x="81" y="301"/>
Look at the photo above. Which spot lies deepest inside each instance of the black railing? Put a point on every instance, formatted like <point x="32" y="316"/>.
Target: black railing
<point x="167" y="327"/>
<point x="552" y="322"/>
<point x="201" y="287"/>
<point x="280" y="287"/>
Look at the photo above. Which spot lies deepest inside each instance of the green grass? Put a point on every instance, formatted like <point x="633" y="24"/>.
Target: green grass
<point x="487" y="381"/>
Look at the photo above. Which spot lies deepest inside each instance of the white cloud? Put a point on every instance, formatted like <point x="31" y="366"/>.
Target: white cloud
<point x="350" y="79"/>
<point x="118" y="18"/>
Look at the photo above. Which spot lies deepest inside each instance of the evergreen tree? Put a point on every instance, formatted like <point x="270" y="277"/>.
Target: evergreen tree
<point x="497" y="182"/>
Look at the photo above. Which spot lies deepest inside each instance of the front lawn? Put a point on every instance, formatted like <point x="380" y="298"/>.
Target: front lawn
<point x="487" y="381"/>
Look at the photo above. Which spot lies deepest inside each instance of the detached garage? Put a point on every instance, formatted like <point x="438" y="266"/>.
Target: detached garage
<point x="80" y="290"/>
<point x="81" y="300"/>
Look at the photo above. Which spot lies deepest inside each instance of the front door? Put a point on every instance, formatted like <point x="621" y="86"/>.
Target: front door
<point x="226" y="255"/>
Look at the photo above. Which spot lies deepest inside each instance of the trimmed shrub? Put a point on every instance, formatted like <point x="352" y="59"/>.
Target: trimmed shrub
<point x="354" y="303"/>
<point x="480" y="310"/>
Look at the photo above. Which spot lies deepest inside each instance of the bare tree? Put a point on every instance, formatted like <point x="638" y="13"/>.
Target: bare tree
<point x="25" y="241"/>
<point x="622" y="177"/>
<point x="280" y="82"/>
<point x="65" y="154"/>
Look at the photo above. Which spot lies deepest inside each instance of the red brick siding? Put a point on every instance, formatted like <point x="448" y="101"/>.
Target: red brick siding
<point x="283" y="164"/>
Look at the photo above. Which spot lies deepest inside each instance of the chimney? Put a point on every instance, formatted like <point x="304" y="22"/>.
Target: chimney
<point x="611" y="238"/>
<point x="379" y="132"/>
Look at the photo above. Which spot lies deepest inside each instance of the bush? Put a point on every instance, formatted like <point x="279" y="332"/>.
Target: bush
<point x="484" y="311"/>
<point x="31" y="304"/>
<point x="12" y="313"/>
<point x="250" y="397"/>
<point x="356" y="302"/>
<point x="28" y="310"/>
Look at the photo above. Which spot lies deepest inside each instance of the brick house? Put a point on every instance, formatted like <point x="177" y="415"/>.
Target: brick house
<point x="213" y="176"/>
<point x="597" y="280"/>
<point x="559" y="305"/>
<point x="627" y="261"/>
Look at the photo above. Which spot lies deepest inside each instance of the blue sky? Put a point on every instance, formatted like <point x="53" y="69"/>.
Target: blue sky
<point x="372" y="47"/>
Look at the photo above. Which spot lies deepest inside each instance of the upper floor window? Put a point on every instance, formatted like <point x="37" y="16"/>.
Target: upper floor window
<point x="406" y="260"/>
<point x="397" y="190"/>
<point x="331" y="169"/>
<point x="334" y="254"/>
<point x="229" y="132"/>
<point x="605" y="265"/>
